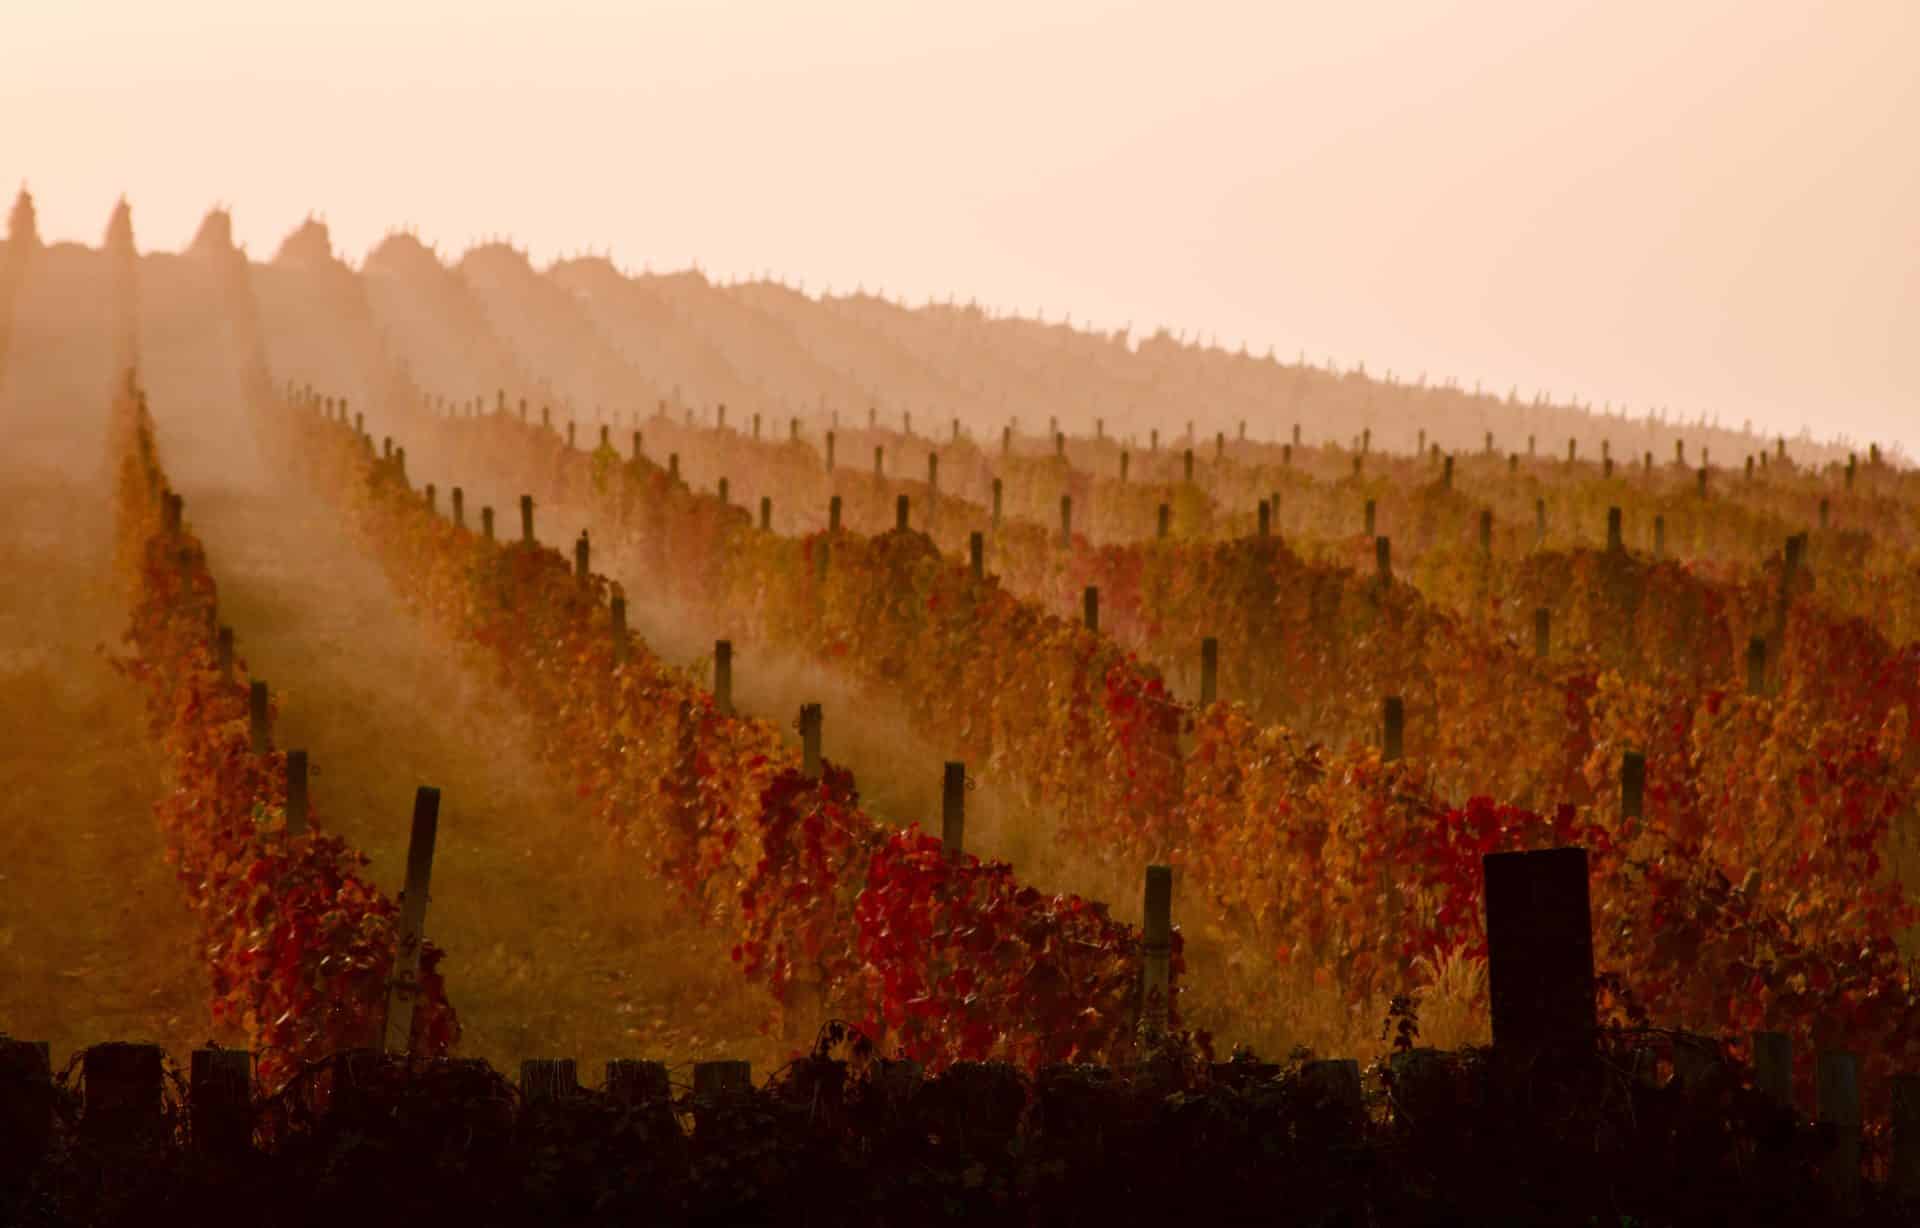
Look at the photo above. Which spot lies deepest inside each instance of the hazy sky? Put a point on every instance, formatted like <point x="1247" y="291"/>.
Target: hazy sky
<point x="1709" y="206"/>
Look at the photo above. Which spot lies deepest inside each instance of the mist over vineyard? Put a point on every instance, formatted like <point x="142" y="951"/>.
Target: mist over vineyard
<point x="1317" y="640"/>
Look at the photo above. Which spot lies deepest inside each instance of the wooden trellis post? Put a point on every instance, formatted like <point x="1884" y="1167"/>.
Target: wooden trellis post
<point x="1542" y="631"/>
<point x="1209" y="670"/>
<point x="486" y="523"/>
<point x="723" y="676"/>
<point x="810" y="741"/>
<point x="257" y="718"/>
<point x="1393" y="729"/>
<point x="953" y="808"/>
<point x="1383" y="560"/>
<point x="223" y="653"/>
<point x="297" y="804"/>
<point x="1615" y="542"/>
<point x="1264" y="517"/>
<point x="526" y="519"/>
<point x="403" y="992"/>
<point x="1757" y="666"/>
<point x="1370" y="518"/>
<point x="900" y="507"/>
<point x="220" y="1111"/>
<point x="1539" y="952"/>
<point x="1163" y="521"/>
<point x="582" y="553"/>
<point x="617" y="613"/>
<point x="977" y="554"/>
<point x="459" y="508"/>
<point x="1090" y="607"/>
<point x="1066" y="521"/>
<point x="766" y="513"/>
<point x="1156" y="968"/>
<point x="1837" y="1085"/>
<point x="1633" y="785"/>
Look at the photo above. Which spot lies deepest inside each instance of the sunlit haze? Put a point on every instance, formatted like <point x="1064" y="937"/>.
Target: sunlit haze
<point x="1705" y="206"/>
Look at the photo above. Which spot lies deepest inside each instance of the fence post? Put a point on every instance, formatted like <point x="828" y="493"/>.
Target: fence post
<point x="220" y="1112"/>
<point x="1060" y="445"/>
<point x="953" y="808"/>
<point x="459" y="508"/>
<point x="1369" y="518"/>
<point x="1823" y="512"/>
<point x="257" y="718"/>
<point x="766" y="513"/>
<point x="1659" y="537"/>
<point x="1066" y="521"/>
<point x="1165" y="521"/>
<point x="582" y="552"/>
<point x="976" y="554"/>
<point x="526" y="519"/>
<point x="1615" y="543"/>
<point x="1156" y="969"/>
<point x="673" y="466"/>
<point x="26" y="1106"/>
<point x="433" y="498"/>
<point x="404" y="989"/>
<point x="996" y="505"/>
<point x="1446" y="474"/>
<point x="1756" y="666"/>
<point x="1773" y="1066"/>
<point x="1539" y="951"/>
<point x="900" y="506"/>
<point x="1006" y="440"/>
<point x="223" y="653"/>
<point x="1542" y="629"/>
<point x="1571" y="453"/>
<point x="617" y="609"/>
<point x="723" y="676"/>
<point x="1124" y="458"/>
<point x="1188" y="462"/>
<point x="1540" y="522"/>
<point x="1486" y="530"/>
<point x="544" y="1080"/>
<point x="1633" y="785"/>
<point x="1383" y="559"/>
<point x="793" y="430"/>
<point x="1090" y="607"/>
<point x="637" y="453"/>
<point x="1209" y="670"/>
<point x="486" y="523"/>
<point x="833" y="514"/>
<point x="829" y="451"/>
<point x="879" y="462"/>
<point x="1700" y="482"/>
<point x="297" y="806"/>
<point x="1265" y="519"/>
<point x="1393" y="729"/>
<point x="1905" y="1169"/>
<point x="810" y="741"/>
<point x="1837" y="1084"/>
<point x="756" y="428"/>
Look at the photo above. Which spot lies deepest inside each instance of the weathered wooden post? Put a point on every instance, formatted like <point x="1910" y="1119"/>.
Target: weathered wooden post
<point x="829" y="451"/>
<point x="1220" y="447"/>
<point x="1446" y="473"/>
<point x="900" y="506"/>
<point x="486" y="523"/>
<point x="756" y="428"/>
<point x="1659" y="537"/>
<point x="1124" y="459"/>
<point x="833" y="514"/>
<point x="1370" y="519"/>
<point x="1060" y="445"/>
<point x="1904" y="1171"/>
<point x="546" y="417"/>
<point x="1383" y="560"/>
<point x="223" y="653"/>
<point x="1163" y="522"/>
<point x="433" y="498"/>
<point x="906" y="423"/>
<point x="723" y="676"/>
<point x="1615" y="542"/>
<point x="1393" y="729"/>
<point x="1296" y="434"/>
<point x="220" y="1107"/>
<point x="953" y="808"/>
<point x="526" y="519"/>
<point x="1773" y="1067"/>
<point x="1749" y="469"/>
<point x="546" y="1080"/>
<point x="1542" y="629"/>
<point x="996" y="505"/>
<point x="879" y="462"/>
<point x="1209" y="670"/>
<point x="1633" y="785"/>
<point x="1700" y="482"/>
<point x="459" y="508"/>
<point x="1486" y="530"/>
<point x="933" y="474"/>
<point x="793" y="430"/>
<point x="720" y="417"/>
<point x="26" y="1108"/>
<point x="1188" y="465"/>
<point x="956" y="430"/>
<point x="1837" y="1086"/>
<point x="1513" y="463"/>
<point x="386" y="447"/>
<point x="1286" y="455"/>
<point x="722" y="491"/>
<point x="673" y="466"/>
<point x="1757" y="665"/>
<point x="257" y="718"/>
<point x="1156" y="968"/>
<point x="766" y="513"/>
<point x="1571" y="450"/>
<point x="638" y="451"/>
<point x="1090" y="608"/>
<point x="582" y="552"/>
<point x="1264" y="519"/>
<point x="1153" y="440"/>
<point x="810" y="741"/>
<point x="1006" y="440"/>
<point x="403" y="991"/>
<point x="1420" y="444"/>
<point x="1066" y="521"/>
<point x="1679" y="451"/>
<point x="617" y="615"/>
<point x="1539" y="952"/>
<point x="297" y="804"/>
<point x="1540" y="522"/>
<point x="1489" y="443"/>
<point x="977" y="554"/>
<point x="123" y="1092"/>
<point x="603" y="436"/>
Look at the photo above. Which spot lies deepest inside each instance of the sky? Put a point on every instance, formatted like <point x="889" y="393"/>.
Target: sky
<point x="1708" y="207"/>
